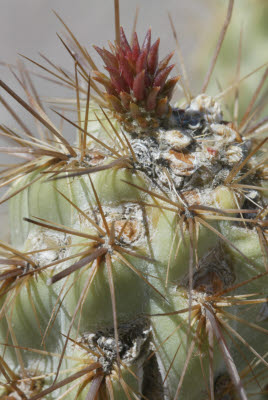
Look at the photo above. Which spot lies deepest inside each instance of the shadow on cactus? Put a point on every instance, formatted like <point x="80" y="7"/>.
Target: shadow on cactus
<point x="138" y="257"/>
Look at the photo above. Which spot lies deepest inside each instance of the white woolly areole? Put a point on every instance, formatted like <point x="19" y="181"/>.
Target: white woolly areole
<point x="207" y="105"/>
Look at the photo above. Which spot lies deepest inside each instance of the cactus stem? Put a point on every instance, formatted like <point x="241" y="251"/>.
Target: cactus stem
<point x="211" y="308"/>
<point x="118" y="278"/>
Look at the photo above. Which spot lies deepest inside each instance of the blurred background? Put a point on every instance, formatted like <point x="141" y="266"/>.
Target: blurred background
<point x="29" y="26"/>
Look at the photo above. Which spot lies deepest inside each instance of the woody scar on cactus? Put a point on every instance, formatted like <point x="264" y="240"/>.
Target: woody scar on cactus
<point x="138" y="258"/>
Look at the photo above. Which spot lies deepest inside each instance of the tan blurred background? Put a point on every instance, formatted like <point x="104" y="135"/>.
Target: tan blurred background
<point x="29" y="27"/>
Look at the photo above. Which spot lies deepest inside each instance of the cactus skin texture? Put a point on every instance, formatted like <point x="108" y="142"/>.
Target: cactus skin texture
<point x="137" y="265"/>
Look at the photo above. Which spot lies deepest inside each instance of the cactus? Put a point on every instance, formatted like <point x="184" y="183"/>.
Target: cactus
<point x="137" y="261"/>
